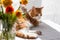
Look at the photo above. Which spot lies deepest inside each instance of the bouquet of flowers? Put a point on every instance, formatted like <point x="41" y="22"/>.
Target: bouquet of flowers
<point x="8" y="18"/>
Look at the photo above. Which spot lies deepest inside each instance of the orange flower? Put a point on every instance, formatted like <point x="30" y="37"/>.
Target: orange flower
<point x="9" y="9"/>
<point x="18" y="14"/>
<point x="7" y="2"/>
<point x="24" y="2"/>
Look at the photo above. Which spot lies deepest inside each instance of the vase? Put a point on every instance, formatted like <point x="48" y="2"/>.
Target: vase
<point x="0" y="28"/>
<point x="8" y="36"/>
<point x="8" y="32"/>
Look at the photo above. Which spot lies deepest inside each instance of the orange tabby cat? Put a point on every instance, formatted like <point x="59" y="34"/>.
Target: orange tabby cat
<point x="35" y="11"/>
<point x="34" y="15"/>
<point x="21" y="27"/>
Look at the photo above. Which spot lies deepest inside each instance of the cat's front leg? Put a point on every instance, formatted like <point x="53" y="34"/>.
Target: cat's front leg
<point x="35" y="31"/>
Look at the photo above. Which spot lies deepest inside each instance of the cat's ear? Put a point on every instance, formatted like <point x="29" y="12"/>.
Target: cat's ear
<point x="41" y="7"/>
<point x="41" y="11"/>
<point x="31" y="9"/>
<point x="33" y="6"/>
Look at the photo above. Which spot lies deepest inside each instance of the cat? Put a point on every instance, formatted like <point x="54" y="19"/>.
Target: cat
<point x="22" y="28"/>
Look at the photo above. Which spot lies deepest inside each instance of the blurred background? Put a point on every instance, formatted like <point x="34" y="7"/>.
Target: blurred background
<point x="51" y="10"/>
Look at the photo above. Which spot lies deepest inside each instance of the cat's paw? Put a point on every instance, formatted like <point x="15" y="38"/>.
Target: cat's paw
<point x="39" y="32"/>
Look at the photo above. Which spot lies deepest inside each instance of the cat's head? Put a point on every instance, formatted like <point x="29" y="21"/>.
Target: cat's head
<point x="39" y="10"/>
<point x="35" y="11"/>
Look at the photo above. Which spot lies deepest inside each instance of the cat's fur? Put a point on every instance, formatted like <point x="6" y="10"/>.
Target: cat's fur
<point x="34" y="13"/>
<point x="32" y="21"/>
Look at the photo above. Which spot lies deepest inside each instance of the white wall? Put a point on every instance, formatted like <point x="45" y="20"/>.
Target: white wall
<point x="36" y="3"/>
<point x="51" y="10"/>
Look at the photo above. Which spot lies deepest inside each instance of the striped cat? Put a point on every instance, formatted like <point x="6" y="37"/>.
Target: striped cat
<point x="34" y="15"/>
<point x="22" y="27"/>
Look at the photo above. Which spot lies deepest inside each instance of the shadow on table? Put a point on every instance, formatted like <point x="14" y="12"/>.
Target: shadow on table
<point x="48" y="33"/>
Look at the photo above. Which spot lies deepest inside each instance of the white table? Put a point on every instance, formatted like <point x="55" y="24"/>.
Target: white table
<point x="49" y="29"/>
<point x="17" y="38"/>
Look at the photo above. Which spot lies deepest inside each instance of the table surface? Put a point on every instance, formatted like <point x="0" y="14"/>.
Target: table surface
<point x="17" y="38"/>
<point x="50" y="31"/>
